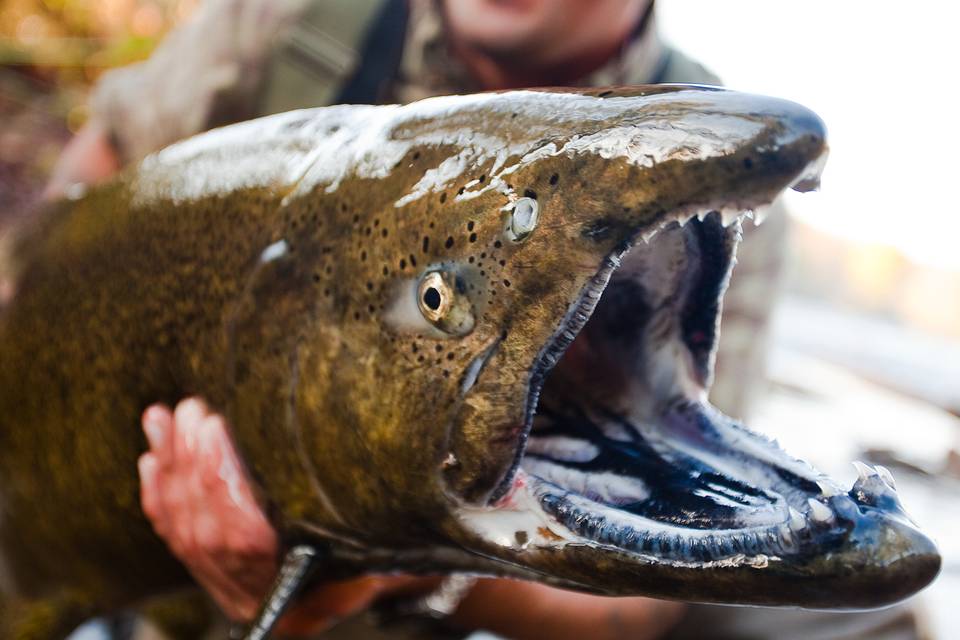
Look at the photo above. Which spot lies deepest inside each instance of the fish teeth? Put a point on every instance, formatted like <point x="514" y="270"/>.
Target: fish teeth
<point x="729" y="215"/>
<point x="786" y="537"/>
<point x="828" y="489"/>
<point x="760" y="213"/>
<point x="819" y="511"/>
<point x="886" y="476"/>
<point x="797" y="521"/>
<point x="863" y="470"/>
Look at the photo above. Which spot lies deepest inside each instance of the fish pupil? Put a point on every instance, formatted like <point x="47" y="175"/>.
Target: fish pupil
<point x="432" y="298"/>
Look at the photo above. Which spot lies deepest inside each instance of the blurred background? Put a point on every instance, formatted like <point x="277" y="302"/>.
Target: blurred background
<point x="865" y="356"/>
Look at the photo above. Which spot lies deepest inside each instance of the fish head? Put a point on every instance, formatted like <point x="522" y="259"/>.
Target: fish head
<point x="543" y="346"/>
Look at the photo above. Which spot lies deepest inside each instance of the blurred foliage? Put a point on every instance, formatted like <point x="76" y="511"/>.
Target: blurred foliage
<point x="51" y="52"/>
<point x="73" y="41"/>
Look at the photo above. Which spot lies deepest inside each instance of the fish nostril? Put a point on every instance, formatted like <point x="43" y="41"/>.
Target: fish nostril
<point x="526" y="214"/>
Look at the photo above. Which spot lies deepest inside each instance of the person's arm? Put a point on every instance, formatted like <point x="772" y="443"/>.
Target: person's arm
<point x="205" y="73"/>
<point x="198" y="497"/>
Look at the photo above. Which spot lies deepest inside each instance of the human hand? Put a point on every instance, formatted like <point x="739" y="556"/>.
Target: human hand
<point x="196" y="494"/>
<point x="88" y="158"/>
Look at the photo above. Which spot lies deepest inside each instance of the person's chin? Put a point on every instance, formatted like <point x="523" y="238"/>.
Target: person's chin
<point x="500" y="27"/>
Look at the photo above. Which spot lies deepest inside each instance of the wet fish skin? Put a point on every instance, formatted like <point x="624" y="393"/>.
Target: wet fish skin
<point x="353" y="418"/>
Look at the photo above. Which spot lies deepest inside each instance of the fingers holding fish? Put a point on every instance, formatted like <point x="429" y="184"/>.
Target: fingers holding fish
<point x="185" y="494"/>
<point x="200" y="501"/>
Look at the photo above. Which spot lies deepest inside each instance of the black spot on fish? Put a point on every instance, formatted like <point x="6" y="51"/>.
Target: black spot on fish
<point x="506" y="283"/>
<point x="384" y="232"/>
<point x="529" y="193"/>
<point x="413" y="261"/>
<point x="443" y="197"/>
<point x="604" y="94"/>
<point x="369" y="286"/>
<point x="554" y="179"/>
<point x="497" y="244"/>
<point x="470" y="226"/>
<point x="426" y="244"/>
<point x="483" y="178"/>
<point x="748" y="163"/>
<point x="473" y="237"/>
<point x="403" y="263"/>
<point x="363" y="256"/>
<point x="416" y="155"/>
<point x="461" y="190"/>
<point x="449" y="243"/>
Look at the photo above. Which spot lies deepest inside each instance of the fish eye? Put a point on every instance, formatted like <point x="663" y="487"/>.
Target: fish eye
<point x="442" y="300"/>
<point x="434" y="297"/>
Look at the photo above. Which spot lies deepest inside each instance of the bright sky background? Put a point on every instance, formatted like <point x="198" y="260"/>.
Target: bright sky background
<point x="884" y="77"/>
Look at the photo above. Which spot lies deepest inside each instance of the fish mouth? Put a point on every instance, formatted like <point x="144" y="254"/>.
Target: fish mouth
<point x="623" y="458"/>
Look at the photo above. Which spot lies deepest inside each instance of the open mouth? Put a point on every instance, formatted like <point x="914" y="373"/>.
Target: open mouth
<point x="625" y="453"/>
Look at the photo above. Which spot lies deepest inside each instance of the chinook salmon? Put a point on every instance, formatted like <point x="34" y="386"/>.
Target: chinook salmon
<point x="472" y="333"/>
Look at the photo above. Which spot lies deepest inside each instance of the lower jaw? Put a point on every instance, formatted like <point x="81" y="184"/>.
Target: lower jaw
<point x="586" y="503"/>
<point x="610" y="527"/>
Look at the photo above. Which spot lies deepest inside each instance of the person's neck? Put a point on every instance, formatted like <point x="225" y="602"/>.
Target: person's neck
<point x="493" y="73"/>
